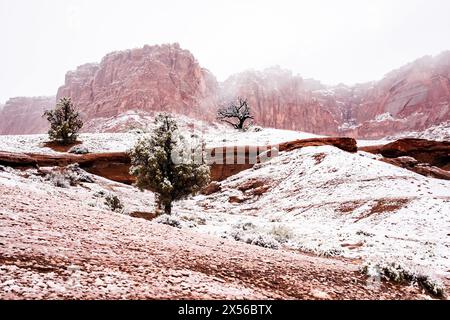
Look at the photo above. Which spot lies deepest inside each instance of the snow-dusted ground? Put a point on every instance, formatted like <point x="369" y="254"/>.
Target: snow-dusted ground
<point x="331" y="202"/>
<point x="62" y="243"/>
<point x="112" y="142"/>
<point x="317" y="199"/>
<point x="439" y="132"/>
<point x="367" y="143"/>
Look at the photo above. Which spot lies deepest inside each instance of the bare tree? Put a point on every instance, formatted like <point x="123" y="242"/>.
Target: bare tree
<point x="235" y="113"/>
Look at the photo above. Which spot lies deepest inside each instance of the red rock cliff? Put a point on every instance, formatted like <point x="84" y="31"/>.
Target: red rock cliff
<point x="282" y="100"/>
<point x="24" y="115"/>
<point x="152" y="78"/>
<point x="168" y="78"/>
<point x="412" y="98"/>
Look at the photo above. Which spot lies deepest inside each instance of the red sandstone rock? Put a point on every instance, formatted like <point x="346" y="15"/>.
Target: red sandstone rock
<point x="113" y="166"/>
<point x="24" y="115"/>
<point x="411" y="98"/>
<point x="426" y="151"/>
<point x="280" y="99"/>
<point x="425" y="157"/>
<point x="16" y="159"/>
<point x="420" y="168"/>
<point x="346" y="144"/>
<point x="152" y="78"/>
<point x="213" y="187"/>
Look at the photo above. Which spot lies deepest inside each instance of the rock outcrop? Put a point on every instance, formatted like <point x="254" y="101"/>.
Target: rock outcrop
<point x="23" y="115"/>
<point x="412" y="98"/>
<point x="343" y="143"/>
<point x="425" y="157"/>
<point x="114" y="166"/>
<point x="228" y="161"/>
<point x="152" y="78"/>
<point x="435" y="153"/>
<point x="224" y="161"/>
<point x="417" y="167"/>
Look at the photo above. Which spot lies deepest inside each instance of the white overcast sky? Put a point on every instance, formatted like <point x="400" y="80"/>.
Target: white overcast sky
<point x="330" y="40"/>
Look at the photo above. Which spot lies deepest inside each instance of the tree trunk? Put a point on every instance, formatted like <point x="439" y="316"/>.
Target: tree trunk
<point x="240" y="125"/>
<point x="163" y="206"/>
<point x="168" y="208"/>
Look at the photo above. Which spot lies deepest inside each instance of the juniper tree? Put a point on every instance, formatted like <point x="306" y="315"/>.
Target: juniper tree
<point x="235" y="113"/>
<point x="65" y="122"/>
<point x="168" y="164"/>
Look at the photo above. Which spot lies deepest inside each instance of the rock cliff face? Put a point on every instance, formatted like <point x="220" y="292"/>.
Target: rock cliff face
<point x="282" y="100"/>
<point x="24" y="115"/>
<point x="168" y="78"/>
<point x="412" y="98"/>
<point x="152" y="78"/>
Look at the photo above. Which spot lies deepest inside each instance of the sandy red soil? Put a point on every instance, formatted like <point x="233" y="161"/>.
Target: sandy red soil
<point x="59" y="248"/>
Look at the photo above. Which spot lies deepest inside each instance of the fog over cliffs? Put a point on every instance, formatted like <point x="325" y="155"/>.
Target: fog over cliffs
<point x="169" y="78"/>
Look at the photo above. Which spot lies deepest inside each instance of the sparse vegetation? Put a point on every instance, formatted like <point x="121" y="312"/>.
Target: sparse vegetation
<point x="169" y="220"/>
<point x="246" y="232"/>
<point x="113" y="202"/>
<point x="72" y="175"/>
<point x="254" y="128"/>
<point x="282" y="233"/>
<point x="395" y="272"/>
<point x="167" y="164"/>
<point x="235" y="114"/>
<point x="65" y="122"/>
<point x="266" y="241"/>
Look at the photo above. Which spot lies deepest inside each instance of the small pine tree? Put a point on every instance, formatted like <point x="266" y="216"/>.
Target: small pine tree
<point x="166" y="164"/>
<point x="65" y="122"/>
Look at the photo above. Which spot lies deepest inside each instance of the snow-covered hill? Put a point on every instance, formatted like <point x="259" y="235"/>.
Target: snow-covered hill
<point x="330" y="202"/>
<point x="62" y="242"/>
<point x="316" y="200"/>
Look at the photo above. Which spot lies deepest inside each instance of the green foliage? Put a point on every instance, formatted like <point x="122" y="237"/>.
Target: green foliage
<point x="167" y="164"/>
<point x="113" y="202"/>
<point x="65" y="122"/>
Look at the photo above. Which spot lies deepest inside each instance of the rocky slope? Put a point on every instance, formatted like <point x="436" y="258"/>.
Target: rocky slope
<point x="440" y="132"/>
<point x="348" y="207"/>
<point x="23" y="115"/>
<point x="65" y="243"/>
<point x="333" y="203"/>
<point x="116" y="165"/>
